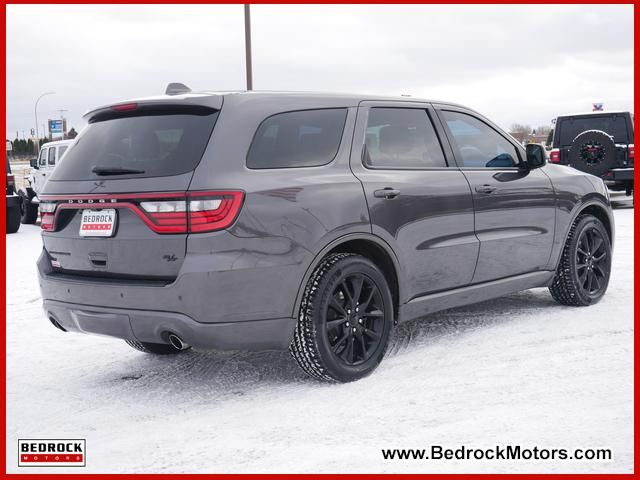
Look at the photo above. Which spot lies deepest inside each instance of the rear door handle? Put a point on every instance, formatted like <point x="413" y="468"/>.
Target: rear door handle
<point x="387" y="192"/>
<point x="485" y="189"/>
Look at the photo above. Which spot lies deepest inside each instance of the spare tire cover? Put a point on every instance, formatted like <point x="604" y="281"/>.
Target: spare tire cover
<point x="593" y="151"/>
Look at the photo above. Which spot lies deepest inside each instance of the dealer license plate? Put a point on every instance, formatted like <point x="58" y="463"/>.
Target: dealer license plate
<point x="98" y="223"/>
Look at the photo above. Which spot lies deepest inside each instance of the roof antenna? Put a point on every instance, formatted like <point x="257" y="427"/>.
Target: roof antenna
<point x="177" y="89"/>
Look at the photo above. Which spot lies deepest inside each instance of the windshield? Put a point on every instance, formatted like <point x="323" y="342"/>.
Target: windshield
<point x="161" y="143"/>
<point x="570" y="127"/>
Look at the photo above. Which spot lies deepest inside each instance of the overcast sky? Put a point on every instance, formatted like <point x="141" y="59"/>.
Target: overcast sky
<point x="514" y="63"/>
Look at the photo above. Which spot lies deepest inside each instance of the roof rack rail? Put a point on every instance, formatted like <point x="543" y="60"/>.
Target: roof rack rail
<point x="177" y="89"/>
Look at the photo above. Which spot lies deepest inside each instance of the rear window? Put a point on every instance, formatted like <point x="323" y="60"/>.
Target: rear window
<point x="569" y="128"/>
<point x="306" y="138"/>
<point x="150" y="143"/>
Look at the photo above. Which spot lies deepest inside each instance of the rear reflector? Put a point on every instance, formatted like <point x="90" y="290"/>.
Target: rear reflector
<point x="192" y="212"/>
<point x="554" y="156"/>
<point x="630" y="152"/>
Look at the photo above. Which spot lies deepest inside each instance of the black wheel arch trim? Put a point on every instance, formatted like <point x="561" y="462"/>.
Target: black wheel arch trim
<point x="336" y="243"/>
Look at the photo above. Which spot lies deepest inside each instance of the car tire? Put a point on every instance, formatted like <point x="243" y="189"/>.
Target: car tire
<point x="13" y="219"/>
<point x="28" y="210"/>
<point x="583" y="274"/>
<point x="594" y="152"/>
<point x="155" y="348"/>
<point x="344" y="321"/>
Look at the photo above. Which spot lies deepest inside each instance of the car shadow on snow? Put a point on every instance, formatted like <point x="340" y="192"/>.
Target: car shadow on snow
<point x="235" y="374"/>
<point x="459" y="321"/>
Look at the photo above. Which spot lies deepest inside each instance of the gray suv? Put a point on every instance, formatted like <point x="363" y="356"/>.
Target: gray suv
<point x="312" y="222"/>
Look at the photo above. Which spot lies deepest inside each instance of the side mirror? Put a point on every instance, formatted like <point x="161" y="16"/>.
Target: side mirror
<point x="536" y="156"/>
<point x="33" y="162"/>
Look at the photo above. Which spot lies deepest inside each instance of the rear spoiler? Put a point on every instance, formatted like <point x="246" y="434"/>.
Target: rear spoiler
<point x="193" y="100"/>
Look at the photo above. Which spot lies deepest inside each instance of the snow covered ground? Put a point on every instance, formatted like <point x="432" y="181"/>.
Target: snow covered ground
<point x="516" y="370"/>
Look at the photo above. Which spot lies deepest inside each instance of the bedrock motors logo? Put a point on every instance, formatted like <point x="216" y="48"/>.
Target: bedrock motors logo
<point x="52" y="453"/>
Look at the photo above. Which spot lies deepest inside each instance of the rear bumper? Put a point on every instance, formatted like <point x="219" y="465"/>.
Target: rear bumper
<point x="153" y="327"/>
<point x="242" y="309"/>
<point x="620" y="174"/>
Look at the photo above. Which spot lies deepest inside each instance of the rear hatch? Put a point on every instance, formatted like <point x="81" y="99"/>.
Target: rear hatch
<point x="117" y="206"/>
<point x="618" y="125"/>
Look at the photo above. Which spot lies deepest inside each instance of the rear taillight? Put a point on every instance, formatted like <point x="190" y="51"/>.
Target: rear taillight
<point x="630" y="152"/>
<point x="210" y="211"/>
<point x="11" y="181"/>
<point x="168" y="216"/>
<point x="47" y="207"/>
<point x="47" y="215"/>
<point x="47" y="221"/>
<point x="193" y="212"/>
<point x="554" y="156"/>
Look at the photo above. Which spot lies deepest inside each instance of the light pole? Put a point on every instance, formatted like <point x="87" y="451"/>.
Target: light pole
<point x="247" y="45"/>
<point x="36" y="112"/>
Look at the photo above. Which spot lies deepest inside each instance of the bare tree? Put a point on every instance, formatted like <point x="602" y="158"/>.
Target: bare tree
<point x="520" y="132"/>
<point x="543" y="130"/>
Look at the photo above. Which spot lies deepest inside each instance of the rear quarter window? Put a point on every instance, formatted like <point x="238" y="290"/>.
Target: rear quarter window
<point x="305" y="138"/>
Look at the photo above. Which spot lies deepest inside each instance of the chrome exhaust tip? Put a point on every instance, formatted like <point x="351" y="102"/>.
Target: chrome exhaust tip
<point x="176" y="342"/>
<point x="56" y="324"/>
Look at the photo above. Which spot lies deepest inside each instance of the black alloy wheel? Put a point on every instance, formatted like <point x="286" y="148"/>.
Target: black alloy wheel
<point x="592" y="153"/>
<point x="584" y="269"/>
<point x="354" y="319"/>
<point x="592" y="261"/>
<point x="345" y="318"/>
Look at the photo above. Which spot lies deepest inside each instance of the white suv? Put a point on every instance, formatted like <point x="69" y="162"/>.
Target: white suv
<point x="50" y="155"/>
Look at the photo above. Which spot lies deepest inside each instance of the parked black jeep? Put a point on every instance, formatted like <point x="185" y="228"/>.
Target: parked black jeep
<point x="600" y="143"/>
<point x="13" y="203"/>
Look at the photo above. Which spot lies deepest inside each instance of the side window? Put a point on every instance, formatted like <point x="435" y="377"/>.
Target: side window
<point x="401" y="138"/>
<point x="306" y="138"/>
<point x="42" y="160"/>
<point x="479" y="145"/>
<point x="61" y="150"/>
<point x="52" y="156"/>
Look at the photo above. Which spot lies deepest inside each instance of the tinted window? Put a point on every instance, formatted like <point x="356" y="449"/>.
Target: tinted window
<point x="306" y="138"/>
<point x="401" y="138"/>
<point x="570" y="128"/>
<point x="42" y="161"/>
<point x="52" y="156"/>
<point x="159" y="144"/>
<point x="478" y="145"/>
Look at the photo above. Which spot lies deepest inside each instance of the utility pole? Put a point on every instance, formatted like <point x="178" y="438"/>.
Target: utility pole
<point x="36" y="111"/>
<point x="247" y="45"/>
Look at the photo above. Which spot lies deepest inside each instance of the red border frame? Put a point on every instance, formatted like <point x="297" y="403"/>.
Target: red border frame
<point x="3" y="472"/>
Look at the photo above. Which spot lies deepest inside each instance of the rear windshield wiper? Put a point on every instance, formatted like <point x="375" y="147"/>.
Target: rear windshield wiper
<point x="115" y="170"/>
